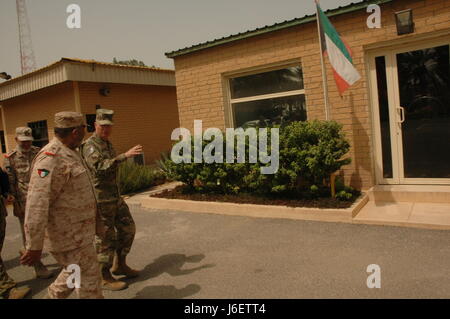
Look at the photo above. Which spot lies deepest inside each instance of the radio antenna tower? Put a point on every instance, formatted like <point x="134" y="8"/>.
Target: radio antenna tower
<point x="27" y="58"/>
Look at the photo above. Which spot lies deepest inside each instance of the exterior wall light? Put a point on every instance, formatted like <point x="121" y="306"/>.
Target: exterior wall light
<point x="404" y="20"/>
<point x="105" y="91"/>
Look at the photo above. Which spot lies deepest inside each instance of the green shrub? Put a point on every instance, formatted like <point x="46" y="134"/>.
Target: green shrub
<point x="344" y="192"/>
<point x="344" y="195"/>
<point x="340" y="186"/>
<point x="221" y="178"/>
<point x="163" y="164"/>
<point x="309" y="153"/>
<point x="133" y="177"/>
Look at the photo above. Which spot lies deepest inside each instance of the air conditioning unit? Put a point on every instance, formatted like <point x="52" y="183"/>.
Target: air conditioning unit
<point x="138" y="159"/>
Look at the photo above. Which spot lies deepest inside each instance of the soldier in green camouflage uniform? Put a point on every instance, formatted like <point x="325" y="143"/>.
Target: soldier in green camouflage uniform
<point x="18" y="164"/>
<point x="120" y="228"/>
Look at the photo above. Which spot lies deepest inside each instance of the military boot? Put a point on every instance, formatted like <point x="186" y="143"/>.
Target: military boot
<point x="110" y="283"/>
<point x="41" y="271"/>
<point x="120" y="267"/>
<point x="18" y="293"/>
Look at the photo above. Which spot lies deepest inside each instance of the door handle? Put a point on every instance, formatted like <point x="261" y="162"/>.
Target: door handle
<point x="402" y="114"/>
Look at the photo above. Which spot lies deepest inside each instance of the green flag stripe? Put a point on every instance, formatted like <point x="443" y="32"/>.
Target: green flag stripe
<point x="331" y="32"/>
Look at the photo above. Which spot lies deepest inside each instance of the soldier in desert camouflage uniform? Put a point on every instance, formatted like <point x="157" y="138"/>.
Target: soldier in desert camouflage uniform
<point x="120" y="229"/>
<point x="61" y="210"/>
<point x="17" y="164"/>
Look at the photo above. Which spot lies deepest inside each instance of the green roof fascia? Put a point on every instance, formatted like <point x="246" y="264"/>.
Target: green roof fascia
<point x="275" y="27"/>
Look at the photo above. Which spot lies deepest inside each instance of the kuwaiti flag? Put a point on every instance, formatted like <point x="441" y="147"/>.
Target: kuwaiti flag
<point x="339" y="53"/>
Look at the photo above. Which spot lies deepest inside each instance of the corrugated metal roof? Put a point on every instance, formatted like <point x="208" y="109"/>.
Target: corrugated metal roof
<point x="117" y="65"/>
<point x="275" y="27"/>
<point x="68" y="69"/>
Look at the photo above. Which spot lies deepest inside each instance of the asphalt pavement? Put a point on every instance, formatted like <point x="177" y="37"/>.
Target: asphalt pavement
<point x="191" y="255"/>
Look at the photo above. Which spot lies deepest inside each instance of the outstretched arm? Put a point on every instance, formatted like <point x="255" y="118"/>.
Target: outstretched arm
<point x="100" y="165"/>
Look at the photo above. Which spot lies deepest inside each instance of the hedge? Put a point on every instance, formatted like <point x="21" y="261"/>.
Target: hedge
<point x="309" y="152"/>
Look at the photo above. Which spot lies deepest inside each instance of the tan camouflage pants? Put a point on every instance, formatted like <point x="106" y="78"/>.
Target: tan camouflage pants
<point x="118" y="233"/>
<point x="22" y="229"/>
<point x="90" y="283"/>
<point x="6" y="283"/>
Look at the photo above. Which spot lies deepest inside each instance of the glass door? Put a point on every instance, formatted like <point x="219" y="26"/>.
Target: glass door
<point x="423" y="106"/>
<point x="410" y="89"/>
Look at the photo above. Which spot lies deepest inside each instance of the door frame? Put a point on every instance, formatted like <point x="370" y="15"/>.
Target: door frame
<point x="394" y="99"/>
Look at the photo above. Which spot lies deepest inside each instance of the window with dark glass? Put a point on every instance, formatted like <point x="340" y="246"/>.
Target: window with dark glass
<point x="90" y="120"/>
<point x="40" y="133"/>
<point x="424" y="87"/>
<point x="383" y="105"/>
<point x="2" y="140"/>
<point x="268" y="98"/>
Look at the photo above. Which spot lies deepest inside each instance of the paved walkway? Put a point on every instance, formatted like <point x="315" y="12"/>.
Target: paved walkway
<point x="422" y="215"/>
<point x="189" y="255"/>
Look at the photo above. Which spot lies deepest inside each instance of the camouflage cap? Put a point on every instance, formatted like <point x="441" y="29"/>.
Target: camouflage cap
<point x="68" y="119"/>
<point x="104" y="117"/>
<point x="24" y="134"/>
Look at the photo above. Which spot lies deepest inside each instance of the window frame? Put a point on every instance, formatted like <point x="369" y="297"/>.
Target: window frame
<point x="228" y="107"/>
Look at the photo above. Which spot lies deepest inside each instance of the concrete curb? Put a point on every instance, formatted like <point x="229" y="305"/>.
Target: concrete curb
<point x="261" y="211"/>
<point x="402" y="224"/>
<point x="347" y="215"/>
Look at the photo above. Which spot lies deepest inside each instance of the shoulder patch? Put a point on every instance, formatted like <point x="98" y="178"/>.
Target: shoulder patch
<point x="90" y="150"/>
<point x="43" y="172"/>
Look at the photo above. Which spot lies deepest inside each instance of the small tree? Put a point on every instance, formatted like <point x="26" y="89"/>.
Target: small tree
<point x="132" y="62"/>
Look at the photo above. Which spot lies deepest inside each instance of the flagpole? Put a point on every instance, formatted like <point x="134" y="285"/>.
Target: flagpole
<point x="324" y="71"/>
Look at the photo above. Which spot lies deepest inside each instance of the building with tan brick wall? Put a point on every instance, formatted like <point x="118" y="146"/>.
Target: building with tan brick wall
<point x="397" y="117"/>
<point x="144" y="101"/>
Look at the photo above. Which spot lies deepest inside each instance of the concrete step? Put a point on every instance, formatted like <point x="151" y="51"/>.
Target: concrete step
<point x="410" y="193"/>
<point x="410" y="214"/>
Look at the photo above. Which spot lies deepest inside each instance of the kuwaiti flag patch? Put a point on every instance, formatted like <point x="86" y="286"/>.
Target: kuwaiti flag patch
<point x="43" y="172"/>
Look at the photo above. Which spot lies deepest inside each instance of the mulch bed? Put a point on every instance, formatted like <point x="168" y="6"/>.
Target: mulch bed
<point x="180" y="193"/>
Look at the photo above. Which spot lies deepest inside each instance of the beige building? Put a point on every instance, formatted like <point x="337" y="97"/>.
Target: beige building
<point x="397" y="117"/>
<point x="144" y="101"/>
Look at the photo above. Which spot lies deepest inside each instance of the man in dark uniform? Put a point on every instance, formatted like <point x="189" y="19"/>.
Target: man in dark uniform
<point x="7" y="285"/>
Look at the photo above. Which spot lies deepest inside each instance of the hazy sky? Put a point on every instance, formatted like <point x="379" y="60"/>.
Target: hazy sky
<point x="141" y="29"/>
